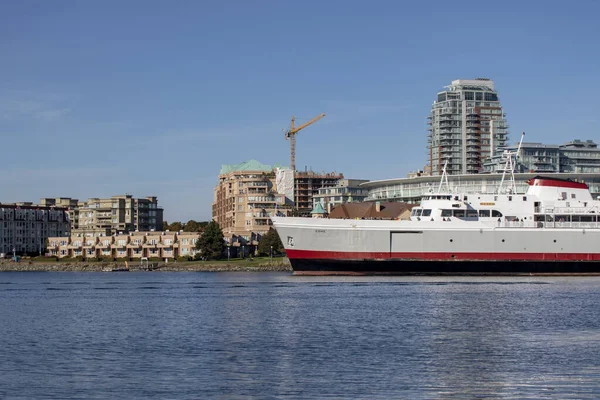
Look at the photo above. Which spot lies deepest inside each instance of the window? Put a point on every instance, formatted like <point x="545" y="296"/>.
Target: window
<point x="472" y="213"/>
<point x="426" y="213"/>
<point x="446" y="213"/>
<point x="484" y="213"/>
<point x="459" y="213"/>
<point x="496" y="213"/>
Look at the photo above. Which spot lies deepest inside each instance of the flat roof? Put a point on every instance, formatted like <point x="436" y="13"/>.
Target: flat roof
<point x="476" y="177"/>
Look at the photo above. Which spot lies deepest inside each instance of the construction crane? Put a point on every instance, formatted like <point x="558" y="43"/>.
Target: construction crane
<point x="291" y="136"/>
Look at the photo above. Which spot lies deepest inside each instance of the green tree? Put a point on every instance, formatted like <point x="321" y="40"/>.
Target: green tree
<point x="175" y="226"/>
<point x="165" y="226"/>
<point x="211" y="243"/>
<point x="191" y="226"/>
<point x="271" y="238"/>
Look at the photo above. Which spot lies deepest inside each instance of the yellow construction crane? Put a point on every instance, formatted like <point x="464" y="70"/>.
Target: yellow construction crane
<point x="291" y="135"/>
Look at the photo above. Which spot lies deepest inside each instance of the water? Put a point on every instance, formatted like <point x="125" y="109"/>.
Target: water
<point x="276" y="336"/>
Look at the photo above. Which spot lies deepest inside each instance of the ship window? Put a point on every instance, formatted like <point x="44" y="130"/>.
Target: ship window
<point x="575" y="218"/>
<point x="484" y="213"/>
<point x="496" y="213"/>
<point x="459" y="213"/>
<point x="426" y="213"/>
<point x="471" y="213"/>
<point x="418" y="212"/>
<point x="446" y="213"/>
<point x="509" y="198"/>
<point x="572" y="195"/>
<point x="524" y="198"/>
<point x="588" y="218"/>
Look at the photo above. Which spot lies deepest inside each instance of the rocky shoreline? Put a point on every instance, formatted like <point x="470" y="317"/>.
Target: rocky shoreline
<point x="193" y="266"/>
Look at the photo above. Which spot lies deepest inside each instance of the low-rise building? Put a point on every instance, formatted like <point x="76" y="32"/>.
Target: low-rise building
<point x="24" y="227"/>
<point x="345" y="191"/>
<point x="133" y="246"/>
<point x="372" y="210"/>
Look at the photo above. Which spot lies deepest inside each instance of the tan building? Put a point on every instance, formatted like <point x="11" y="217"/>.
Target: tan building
<point x="111" y="215"/>
<point x="24" y="227"/>
<point x="244" y="200"/>
<point x="133" y="246"/>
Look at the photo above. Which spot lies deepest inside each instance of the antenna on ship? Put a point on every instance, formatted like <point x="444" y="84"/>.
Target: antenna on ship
<point x="444" y="178"/>
<point x="510" y="165"/>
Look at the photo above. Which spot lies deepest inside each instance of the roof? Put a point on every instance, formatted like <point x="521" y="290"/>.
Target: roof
<point x="388" y="210"/>
<point x="250" y="165"/>
<point x="318" y="209"/>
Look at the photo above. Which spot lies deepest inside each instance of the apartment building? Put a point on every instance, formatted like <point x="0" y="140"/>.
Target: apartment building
<point x="574" y="157"/>
<point x="111" y="215"/>
<point x="466" y="126"/>
<point x="345" y="191"/>
<point x="24" y="227"/>
<point x="244" y="200"/>
<point x="132" y="246"/>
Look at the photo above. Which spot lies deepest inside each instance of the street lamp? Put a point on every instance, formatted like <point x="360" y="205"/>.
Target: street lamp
<point x="271" y="253"/>
<point x="228" y="252"/>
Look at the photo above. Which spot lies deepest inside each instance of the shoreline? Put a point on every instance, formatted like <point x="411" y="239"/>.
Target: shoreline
<point x="246" y="265"/>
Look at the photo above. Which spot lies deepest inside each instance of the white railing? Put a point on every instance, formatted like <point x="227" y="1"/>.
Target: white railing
<point x="549" y="225"/>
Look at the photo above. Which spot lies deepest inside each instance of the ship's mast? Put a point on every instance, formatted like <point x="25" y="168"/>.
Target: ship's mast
<point x="444" y="179"/>
<point x="509" y="166"/>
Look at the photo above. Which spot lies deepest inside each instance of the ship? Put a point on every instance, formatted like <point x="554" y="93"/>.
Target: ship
<point x="552" y="228"/>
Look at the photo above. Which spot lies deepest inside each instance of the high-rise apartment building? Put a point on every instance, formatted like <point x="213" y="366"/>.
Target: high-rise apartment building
<point x="111" y="215"/>
<point x="466" y="125"/>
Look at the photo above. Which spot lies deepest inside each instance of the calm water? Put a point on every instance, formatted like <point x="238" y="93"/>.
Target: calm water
<point x="276" y="336"/>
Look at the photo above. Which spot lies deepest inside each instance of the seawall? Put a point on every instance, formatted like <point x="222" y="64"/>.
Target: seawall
<point x="264" y="265"/>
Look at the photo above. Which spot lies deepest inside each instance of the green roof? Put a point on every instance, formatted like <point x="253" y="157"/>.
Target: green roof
<point x="251" y="165"/>
<point x="318" y="209"/>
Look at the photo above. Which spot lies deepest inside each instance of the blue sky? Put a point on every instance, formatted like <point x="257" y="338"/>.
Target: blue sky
<point x="151" y="97"/>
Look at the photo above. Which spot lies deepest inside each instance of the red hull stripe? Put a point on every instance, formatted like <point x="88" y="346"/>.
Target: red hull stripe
<point x="563" y="184"/>
<point x="342" y="255"/>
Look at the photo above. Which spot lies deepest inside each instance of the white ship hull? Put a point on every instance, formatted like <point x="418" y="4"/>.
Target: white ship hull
<point x="329" y="246"/>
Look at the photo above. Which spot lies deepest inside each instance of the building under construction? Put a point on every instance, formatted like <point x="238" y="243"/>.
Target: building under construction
<point x="307" y="184"/>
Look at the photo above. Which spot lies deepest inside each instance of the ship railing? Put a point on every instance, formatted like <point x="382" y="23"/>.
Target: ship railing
<point x="549" y="224"/>
<point x="571" y="210"/>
